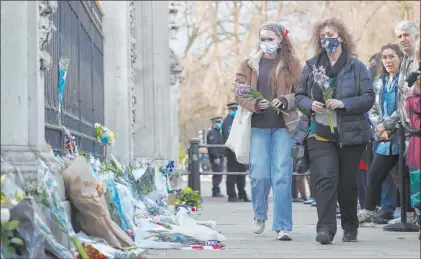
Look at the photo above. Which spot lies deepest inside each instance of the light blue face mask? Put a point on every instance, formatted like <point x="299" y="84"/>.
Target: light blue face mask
<point x="269" y="47"/>
<point x="219" y="126"/>
<point x="233" y="113"/>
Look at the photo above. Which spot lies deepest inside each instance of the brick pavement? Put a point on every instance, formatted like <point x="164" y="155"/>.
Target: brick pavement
<point x="234" y="221"/>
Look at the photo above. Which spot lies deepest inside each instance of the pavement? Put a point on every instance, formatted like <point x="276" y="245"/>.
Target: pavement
<point x="234" y="221"/>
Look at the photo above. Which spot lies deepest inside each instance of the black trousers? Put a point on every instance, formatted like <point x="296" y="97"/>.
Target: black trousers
<point x="232" y="180"/>
<point x="334" y="173"/>
<point x="217" y="179"/>
<point x="376" y="175"/>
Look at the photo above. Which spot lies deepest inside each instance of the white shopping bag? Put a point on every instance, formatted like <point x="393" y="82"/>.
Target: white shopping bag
<point x="239" y="138"/>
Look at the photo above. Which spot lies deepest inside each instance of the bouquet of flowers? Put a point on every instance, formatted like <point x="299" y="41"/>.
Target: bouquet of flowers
<point x="47" y="193"/>
<point x="189" y="197"/>
<point x="168" y="172"/>
<point x="70" y="147"/>
<point x="323" y="81"/>
<point x="245" y="91"/>
<point x="103" y="135"/>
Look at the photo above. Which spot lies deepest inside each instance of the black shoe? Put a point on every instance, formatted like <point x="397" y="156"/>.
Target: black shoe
<point x="217" y="195"/>
<point x="383" y="217"/>
<point x="245" y="199"/>
<point x="233" y="199"/>
<point x="324" y="238"/>
<point x="350" y="236"/>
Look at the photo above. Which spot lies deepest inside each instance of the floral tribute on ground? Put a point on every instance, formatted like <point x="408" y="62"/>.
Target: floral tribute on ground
<point x="123" y="211"/>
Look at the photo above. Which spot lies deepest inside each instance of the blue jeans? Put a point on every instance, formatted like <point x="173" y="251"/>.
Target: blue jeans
<point x="271" y="167"/>
<point x="389" y="189"/>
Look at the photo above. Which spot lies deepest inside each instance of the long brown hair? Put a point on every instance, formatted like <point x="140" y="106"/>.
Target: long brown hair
<point x="286" y="62"/>
<point x="348" y="43"/>
<point x="396" y="49"/>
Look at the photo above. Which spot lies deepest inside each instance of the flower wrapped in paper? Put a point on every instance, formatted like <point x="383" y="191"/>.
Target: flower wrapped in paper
<point x="323" y="81"/>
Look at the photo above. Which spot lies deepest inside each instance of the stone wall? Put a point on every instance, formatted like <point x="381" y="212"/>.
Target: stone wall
<point x="141" y="80"/>
<point x="26" y="29"/>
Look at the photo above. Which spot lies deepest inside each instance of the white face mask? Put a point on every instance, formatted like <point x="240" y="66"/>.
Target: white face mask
<point x="269" y="47"/>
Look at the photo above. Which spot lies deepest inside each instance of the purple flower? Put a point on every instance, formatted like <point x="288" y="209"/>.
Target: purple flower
<point x="320" y="77"/>
<point x="241" y="90"/>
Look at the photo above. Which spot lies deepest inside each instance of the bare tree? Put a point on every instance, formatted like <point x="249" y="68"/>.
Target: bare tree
<point x="221" y="34"/>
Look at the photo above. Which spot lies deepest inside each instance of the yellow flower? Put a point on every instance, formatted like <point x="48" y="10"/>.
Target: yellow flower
<point x="111" y="136"/>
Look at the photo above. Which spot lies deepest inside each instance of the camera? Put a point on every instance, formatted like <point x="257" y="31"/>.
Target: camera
<point x="414" y="76"/>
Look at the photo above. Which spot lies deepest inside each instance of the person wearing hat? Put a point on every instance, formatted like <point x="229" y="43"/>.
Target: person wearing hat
<point x="216" y="154"/>
<point x="232" y="164"/>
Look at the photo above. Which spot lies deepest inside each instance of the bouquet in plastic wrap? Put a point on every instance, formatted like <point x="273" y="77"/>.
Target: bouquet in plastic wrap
<point x="113" y="202"/>
<point x="47" y="194"/>
<point x="9" y="240"/>
<point x="99" y="249"/>
<point x="104" y="135"/>
<point x="189" y="197"/>
<point x="23" y="219"/>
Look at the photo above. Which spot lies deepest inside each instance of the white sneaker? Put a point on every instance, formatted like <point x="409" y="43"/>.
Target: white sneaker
<point x="409" y="219"/>
<point x="365" y="218"/>
<point x="284" y="236"/>
<point x="258" y="226"/>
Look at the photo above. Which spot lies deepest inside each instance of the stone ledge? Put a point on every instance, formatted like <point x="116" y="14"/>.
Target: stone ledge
<point x="26" y="161"/>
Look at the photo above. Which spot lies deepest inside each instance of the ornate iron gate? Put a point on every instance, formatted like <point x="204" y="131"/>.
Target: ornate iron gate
<point x="79" y="38"/>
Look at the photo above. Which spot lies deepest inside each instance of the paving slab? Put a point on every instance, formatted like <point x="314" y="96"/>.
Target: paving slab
<point x="234" y="221"/>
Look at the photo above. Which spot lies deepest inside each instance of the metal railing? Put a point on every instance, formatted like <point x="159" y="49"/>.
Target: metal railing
<point x="193" y="170"/>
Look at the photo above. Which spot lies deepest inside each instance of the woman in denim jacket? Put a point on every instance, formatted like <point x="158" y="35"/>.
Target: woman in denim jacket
<point x="336" y="137"/>
<point x="385" y="117"/>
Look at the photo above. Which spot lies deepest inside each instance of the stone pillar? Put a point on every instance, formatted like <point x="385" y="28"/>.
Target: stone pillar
<point x="117" y="77"/>
<point x="152" y="87"/>
<point x="26" y="28"/>
<point x="175" y="70"/>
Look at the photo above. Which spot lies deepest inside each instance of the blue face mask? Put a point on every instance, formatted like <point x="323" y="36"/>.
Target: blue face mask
<point x="233" y="113"/>
<point x="219" y="126"/>
<point x="330" y="44"/>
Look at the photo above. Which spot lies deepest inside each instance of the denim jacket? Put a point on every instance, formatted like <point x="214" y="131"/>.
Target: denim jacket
<point x="379" y="112"/>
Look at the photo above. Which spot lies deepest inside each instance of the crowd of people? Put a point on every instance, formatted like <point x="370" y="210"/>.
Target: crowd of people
<point x="332" y="107"/>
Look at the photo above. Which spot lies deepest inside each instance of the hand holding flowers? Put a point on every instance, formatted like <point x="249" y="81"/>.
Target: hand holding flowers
<point x="334" y="104"/>
<point x="323" y="81"/>
<point x="245" y="91"/>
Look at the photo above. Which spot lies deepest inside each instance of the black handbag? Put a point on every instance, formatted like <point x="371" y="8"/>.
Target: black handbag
<point x="299" y="150"/>
<point x="299" y="153"/>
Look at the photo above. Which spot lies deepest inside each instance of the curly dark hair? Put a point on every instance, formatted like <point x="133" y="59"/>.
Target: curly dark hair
<point x="348" y="42"/>
<point x="396" y="49"/>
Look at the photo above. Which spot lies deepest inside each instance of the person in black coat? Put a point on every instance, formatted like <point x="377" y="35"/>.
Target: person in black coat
<point x="232" y="164"/>
<point x="216" y="154"/>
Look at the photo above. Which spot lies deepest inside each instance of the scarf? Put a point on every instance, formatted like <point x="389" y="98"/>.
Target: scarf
<point x="332" y="72"/>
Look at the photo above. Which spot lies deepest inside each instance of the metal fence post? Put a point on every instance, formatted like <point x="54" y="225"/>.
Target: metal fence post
<point x="402" y="226"/>
<point x="194" y="177"/>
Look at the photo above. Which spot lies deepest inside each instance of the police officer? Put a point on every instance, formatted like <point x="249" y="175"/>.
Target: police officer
<point x="232" y="164"/>
<point x="216" y="154"/>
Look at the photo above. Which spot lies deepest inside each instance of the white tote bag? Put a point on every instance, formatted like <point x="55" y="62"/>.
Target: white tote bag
<point x="239" y="138"/>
